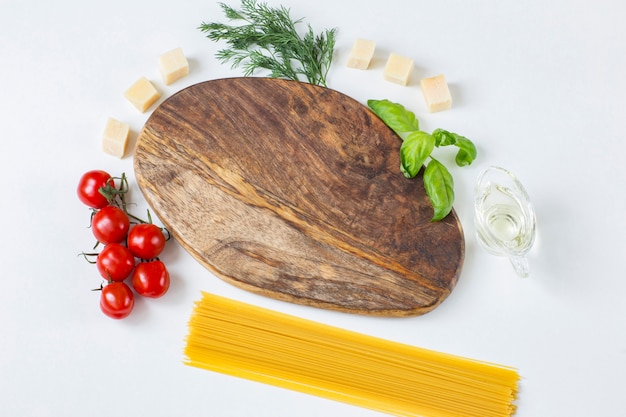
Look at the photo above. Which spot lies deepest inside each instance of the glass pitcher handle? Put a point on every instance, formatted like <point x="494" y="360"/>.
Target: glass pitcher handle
<point x="520" y="264"/>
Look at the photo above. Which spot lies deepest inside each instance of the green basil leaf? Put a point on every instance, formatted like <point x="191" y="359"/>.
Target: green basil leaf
<point x="440" y="188"/>
<point x="443" y="137"/>
<point x="396" y="116"/>
<point x="467" y="151"/>
<point x="414" y="151"/>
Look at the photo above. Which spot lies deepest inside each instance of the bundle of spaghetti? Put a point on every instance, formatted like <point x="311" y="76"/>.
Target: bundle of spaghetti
<point x="258" y="344"/>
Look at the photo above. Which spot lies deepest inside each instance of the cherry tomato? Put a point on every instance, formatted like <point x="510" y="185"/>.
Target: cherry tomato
<point x="115" y="262"/>
<point x="146" y="241"/>
<point x="88" y="187"/>
<point x="151" y="279"/>
<point x="110" y="225"/>
<point x="117" y="300"/>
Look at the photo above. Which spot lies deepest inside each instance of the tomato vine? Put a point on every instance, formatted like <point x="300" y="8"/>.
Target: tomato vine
<point x="132" y="245"/>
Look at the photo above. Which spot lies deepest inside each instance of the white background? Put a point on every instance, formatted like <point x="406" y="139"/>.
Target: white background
<point x="538" y="86"/>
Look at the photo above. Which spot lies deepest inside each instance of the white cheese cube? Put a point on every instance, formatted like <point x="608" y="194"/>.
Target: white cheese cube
<point x="398" y="69"/>
<point x="115" y="138"/>
<point x="173" y="65"/>
<point x="436" y="93"/>
<point x="142" y="94"/>
<point x="361" y="54"/>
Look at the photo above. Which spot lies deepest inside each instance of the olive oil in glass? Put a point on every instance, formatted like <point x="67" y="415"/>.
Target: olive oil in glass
<point x="504" y="217"/>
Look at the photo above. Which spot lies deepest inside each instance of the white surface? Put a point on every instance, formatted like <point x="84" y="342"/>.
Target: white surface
<point x="538" y="86"/>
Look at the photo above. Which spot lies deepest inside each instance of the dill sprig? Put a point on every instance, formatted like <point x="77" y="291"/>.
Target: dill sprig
<point x="268" y="39"/>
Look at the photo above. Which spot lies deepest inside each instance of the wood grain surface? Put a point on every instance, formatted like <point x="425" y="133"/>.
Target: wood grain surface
<point x="294" y="191"/>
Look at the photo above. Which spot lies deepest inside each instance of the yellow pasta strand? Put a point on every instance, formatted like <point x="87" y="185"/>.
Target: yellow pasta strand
<point x="258" y="344"/>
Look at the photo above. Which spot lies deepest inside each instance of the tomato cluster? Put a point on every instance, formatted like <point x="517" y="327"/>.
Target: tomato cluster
<point x="131" y="246"/>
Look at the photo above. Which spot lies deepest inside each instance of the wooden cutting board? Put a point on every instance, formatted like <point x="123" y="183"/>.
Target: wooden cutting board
<point x="294" y="191"/>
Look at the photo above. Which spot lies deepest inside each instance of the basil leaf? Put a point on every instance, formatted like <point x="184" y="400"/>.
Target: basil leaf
<point x="467" y="151"/>
<point x="413" y="152"/>
<point x="398" y="118"/>
<point x="440" y="188"/>
<point x="443" y="137"/>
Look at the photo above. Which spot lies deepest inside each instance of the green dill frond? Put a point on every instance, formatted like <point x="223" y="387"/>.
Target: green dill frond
<point x="267" y="38"/>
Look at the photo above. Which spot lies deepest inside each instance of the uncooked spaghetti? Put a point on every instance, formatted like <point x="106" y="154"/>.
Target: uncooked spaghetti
<point x="258" y="344"/>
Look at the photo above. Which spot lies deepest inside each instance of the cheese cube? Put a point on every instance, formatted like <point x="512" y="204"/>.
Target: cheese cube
<point x="361" y="54"/>
<point x="398" y="69"/>
<point x="142" y="94"/>
<point x="436" y="93"/>
<point x="173" y="65"/>
<point x="115" y="138"/>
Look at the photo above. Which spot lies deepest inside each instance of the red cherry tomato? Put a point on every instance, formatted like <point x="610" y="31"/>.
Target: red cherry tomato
<point x="115" y="262"/>
<point x="151" y="279"/>
<point x="89" y="186"/>
<point x="110" y="225"/>
<point x="146" y="241"/>
<point x="117" y="300"/>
